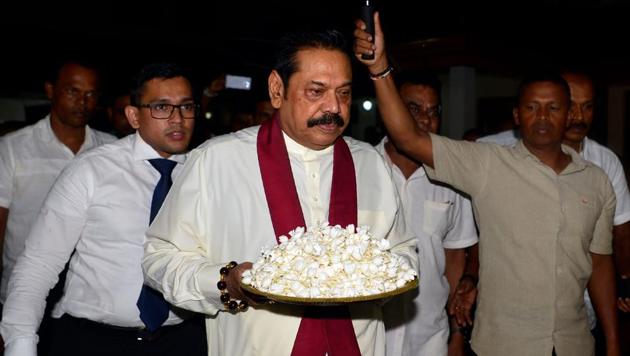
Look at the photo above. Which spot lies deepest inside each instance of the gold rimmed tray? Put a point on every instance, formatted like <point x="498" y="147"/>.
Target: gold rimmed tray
<point x="328" y="301"/>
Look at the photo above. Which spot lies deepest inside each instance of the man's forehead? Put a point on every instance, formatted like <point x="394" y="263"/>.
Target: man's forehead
<point x="316" y="64"/>
<point x="420" y="92"/>
<point x="544" y="88"/>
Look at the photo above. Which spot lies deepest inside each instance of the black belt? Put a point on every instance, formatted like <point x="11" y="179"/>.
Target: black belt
<point x="139" y="333"/>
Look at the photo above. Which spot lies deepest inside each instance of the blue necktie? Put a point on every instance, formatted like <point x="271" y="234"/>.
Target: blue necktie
<point x="153" y="308"/>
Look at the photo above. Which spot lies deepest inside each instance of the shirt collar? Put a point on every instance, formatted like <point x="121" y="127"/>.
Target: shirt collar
<point x="577" y="162"/>
<point x="47" y="134"/>
<point x="141" y="150"/>
<point x="304" y="152"/>
<point x="44" y="129"/>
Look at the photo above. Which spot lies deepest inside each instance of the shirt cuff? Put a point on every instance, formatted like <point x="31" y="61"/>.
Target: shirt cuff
<point x="210" y="290"/>
<point x="21" y="347"/>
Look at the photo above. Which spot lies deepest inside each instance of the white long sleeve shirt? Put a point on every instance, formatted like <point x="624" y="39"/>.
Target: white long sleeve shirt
<point x="30" y="161"/>
<point x="217" y="212"/>
<point x="100" y="206"/>
<point x="439" y="217"/>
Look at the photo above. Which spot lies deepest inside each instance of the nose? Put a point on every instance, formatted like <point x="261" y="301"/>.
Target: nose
<point x="176" y="115"/>
<point x="576" y="114"/>
<point x="543" y="114"/>
<point x="332" y="104"/>
<point x="423" y="117"/>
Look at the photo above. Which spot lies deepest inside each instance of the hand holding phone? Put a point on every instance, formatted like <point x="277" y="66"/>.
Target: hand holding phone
<point x="367" y="15"/>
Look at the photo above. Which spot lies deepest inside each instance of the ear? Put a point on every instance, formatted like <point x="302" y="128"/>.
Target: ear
<point x="517" y="121"/>
<point x="48" y="87"/>
<point x="133" y="116"/>
<point x="276" y="89"/>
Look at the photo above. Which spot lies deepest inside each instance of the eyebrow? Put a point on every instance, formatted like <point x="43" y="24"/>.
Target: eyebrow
<point x="348" y="83"/>
<point x="166" y="100"/>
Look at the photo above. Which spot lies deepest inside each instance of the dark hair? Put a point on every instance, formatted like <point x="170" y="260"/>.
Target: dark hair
<point x="286" y="57"/>
<point x="427" y="79"/>
<point x="152" y="71"/>
<point x="551" y="76"/>
<point x="57" y="65"/>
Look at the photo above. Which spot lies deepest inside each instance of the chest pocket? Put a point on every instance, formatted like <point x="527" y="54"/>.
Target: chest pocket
<point x="435" y="217"/>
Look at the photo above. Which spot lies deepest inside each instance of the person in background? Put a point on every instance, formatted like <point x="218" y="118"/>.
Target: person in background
<point x="443" y="223"/>
<point x="263" y="111"/>
<point x="100" y="207"/>
<point x="116" y="114"/>
<point x="31" y="158"/>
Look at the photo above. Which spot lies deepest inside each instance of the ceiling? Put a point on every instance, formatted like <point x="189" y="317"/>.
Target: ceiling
<point x="237" y="36"/>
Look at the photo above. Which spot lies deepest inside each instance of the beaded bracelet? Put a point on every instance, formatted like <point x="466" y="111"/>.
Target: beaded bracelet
<point x="382" y="74"/>
<point x="230" y="304"/>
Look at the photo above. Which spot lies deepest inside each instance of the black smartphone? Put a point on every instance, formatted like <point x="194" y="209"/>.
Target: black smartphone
<point x="367" y="15"/>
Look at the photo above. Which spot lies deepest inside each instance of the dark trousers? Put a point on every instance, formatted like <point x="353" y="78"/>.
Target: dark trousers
<point x="75" y="336"/>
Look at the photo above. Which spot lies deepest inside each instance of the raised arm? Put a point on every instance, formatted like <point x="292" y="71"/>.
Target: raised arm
<point x="401" y="126"/>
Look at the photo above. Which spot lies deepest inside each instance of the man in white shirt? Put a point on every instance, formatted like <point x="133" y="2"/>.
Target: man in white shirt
<point x="581" y="118"/>
<point x="242" y="191"/>
<point x="100" y="207"/>
<point x="31" y="158"/>
<point x="442" y="221"/>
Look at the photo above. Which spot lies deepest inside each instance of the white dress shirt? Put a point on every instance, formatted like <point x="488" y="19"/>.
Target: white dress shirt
<point x="607" y="160"/>
<point x="417" y="324"/>
<point x="217" y="212"/>
<point x="100" y="206"/>
<point x="30" y="160"/>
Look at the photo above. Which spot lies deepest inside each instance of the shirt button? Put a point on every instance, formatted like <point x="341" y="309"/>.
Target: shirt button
<point x="313" y="175"/>
<point x="315" y="199"/>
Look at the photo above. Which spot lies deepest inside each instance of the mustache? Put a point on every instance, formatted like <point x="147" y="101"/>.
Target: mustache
<point x="579" y="126"/>
<point x="325" y="119"/>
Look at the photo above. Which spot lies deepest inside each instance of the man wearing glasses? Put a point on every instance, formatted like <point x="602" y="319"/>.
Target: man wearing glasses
<point x="99" y="208"/>
<point x="442" y="220"/>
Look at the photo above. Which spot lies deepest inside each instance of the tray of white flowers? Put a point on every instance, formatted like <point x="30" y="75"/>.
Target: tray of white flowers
<point x="329" y="265"/>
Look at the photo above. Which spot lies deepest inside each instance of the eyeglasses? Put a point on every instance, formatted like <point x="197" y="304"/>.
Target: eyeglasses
<point x="75" y="94"/>
<point x="164" y="111"/>
<point x="432" y="112"/>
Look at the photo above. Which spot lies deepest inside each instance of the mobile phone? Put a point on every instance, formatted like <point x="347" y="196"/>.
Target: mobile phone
<point x="367" y="15"/>
<point x="238" y="82"/>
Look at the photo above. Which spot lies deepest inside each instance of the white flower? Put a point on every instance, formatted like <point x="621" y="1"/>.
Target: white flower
<point x="329" y="261"/>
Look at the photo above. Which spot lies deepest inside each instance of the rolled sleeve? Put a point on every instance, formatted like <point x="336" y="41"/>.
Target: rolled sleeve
<point x="602" y="234"/>
<point x="463" y="232"/>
